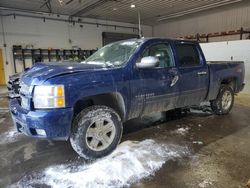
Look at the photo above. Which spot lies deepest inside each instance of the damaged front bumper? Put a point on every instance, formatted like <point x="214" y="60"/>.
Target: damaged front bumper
<point x="46" y="124"/>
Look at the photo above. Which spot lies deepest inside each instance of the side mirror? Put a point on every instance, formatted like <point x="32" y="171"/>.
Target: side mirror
<point x="148" y="62"/>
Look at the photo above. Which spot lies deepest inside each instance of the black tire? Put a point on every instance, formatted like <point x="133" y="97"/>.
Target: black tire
<point x="85" y="120"/>
<point x="217" y="104"/>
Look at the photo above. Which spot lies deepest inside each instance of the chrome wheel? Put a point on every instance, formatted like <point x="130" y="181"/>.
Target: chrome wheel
<point x="100" y="134"/>
<point x="226" y="100"/>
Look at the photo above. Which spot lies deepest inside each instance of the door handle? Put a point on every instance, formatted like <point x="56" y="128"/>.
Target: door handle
<point x="174" y="80"/>
<point x="202" y="73"/>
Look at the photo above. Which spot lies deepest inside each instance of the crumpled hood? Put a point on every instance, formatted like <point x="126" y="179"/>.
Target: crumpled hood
<point x="41" y="72"/>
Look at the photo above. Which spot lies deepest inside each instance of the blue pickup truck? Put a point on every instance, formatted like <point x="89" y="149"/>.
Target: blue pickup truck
<point x="88" y="102"/>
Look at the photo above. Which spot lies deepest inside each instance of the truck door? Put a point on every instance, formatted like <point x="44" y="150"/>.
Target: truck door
<point x="193" y="74"/>
<point x="160" y="86"/>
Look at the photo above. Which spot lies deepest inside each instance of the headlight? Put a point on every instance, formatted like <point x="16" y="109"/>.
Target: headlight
<point x="24" y="89"/>
<point x="49" y="97"/>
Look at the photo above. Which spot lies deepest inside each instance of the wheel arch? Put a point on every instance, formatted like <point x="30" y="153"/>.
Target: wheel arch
<point x="214" y="87"/>
<point x="113" y="100"/>
<point x="230" y="81"/>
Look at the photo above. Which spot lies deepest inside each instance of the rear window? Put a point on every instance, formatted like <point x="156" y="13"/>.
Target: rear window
<point x="188" y="55"/>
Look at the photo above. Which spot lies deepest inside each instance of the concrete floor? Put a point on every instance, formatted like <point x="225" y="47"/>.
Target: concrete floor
<point x="218" y="152"/>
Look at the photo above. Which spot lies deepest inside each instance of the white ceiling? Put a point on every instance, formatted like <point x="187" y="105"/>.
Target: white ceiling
<point x="152" y="11"/>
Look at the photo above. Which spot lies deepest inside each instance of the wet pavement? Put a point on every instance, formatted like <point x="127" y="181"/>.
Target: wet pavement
<point x="197" y="149"/>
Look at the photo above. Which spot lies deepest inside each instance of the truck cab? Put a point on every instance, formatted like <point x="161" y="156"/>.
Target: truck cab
<point x="180" y="78"/>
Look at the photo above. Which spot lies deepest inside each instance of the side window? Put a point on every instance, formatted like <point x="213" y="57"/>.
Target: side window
<point x="163" y="52"/>
<point x="188" y="55"/>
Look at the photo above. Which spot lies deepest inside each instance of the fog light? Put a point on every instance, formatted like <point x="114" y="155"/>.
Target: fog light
<point x="40" y="132"/>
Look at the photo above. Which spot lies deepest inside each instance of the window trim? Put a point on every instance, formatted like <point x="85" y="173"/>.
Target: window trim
<point x="201" y="64"/>
<point x="156" y="43"/>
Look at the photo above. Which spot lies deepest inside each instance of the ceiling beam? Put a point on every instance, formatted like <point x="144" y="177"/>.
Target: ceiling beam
<point x="66" y="20"/>
<point x="198" y="9"/>
<point x="47" y="4"/>
<point x="89" y="8"/>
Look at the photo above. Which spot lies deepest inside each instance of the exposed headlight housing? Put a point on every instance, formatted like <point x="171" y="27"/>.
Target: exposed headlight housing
<point x="49" y="97"/>
<point x="24" y="89"/>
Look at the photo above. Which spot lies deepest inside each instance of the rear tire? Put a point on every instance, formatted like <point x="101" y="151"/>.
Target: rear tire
<point x="96" y="132"/>
<point x="224" y="102"/>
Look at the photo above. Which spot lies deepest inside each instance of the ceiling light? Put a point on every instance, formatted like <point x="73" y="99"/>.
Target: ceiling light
<point x="61" y="2"/>
<point x="114" y="9"/>
<point x="132" y="6"/>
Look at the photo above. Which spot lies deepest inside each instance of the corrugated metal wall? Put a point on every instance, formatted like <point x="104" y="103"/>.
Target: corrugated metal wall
<point x="219" y="20"/>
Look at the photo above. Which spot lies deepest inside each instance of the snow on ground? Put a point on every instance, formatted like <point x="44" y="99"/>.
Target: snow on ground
<point x="9" y="136"/>
<point x="205" y="184"/>
<point x="181" y="131"/>
<point x="198" y="142"/>
<point x="129" y="163"/>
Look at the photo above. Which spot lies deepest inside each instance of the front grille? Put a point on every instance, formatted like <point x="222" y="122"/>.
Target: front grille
<point x="14" y="88"/>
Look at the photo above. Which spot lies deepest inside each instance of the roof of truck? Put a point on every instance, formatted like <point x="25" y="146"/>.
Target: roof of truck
<point x="144" y="39"/>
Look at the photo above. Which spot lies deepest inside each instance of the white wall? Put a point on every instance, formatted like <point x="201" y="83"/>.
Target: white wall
<point x="217" y="20"/>
<point x="227" y="51"/>
<point x="29" y="31"/>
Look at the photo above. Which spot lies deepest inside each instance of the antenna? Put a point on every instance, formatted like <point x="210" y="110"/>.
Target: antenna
<point x="139" y="24"/>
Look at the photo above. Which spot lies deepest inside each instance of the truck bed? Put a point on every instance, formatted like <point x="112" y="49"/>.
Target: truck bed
<point x="219" y="70"/>
<point x="223" y="62"/>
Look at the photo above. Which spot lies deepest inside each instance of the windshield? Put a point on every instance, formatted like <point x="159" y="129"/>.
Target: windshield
<point x="115" y="54"/>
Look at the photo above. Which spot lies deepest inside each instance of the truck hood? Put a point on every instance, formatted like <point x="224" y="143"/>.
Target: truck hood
<point x="41" y="72"/>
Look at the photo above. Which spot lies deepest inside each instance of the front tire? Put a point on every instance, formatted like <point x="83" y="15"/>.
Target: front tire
<point x="96" y="132"/>
<point x="224" y="102"/>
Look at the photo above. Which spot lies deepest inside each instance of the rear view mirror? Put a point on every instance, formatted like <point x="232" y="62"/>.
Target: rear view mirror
<point x="148" y="62"/>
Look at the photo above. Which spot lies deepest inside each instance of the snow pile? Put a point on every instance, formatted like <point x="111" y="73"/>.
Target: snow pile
<point x="129" y="163"/>
<point x="198" y="142"/>
<point x="9" y="136"/>
<point x="205" y="184"/>
<point x="181" y="131"/>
